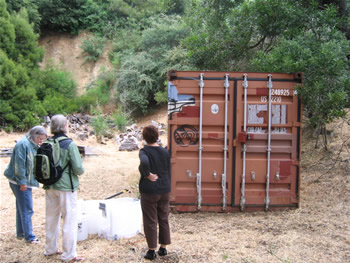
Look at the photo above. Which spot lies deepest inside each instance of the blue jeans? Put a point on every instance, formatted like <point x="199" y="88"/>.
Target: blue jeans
<point x="24" y="212"/>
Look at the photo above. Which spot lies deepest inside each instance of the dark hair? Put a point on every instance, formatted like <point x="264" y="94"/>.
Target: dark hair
<point x="150" y="134"/>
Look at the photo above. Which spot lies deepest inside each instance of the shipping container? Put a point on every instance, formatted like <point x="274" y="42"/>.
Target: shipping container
<point x="234" y="140"/>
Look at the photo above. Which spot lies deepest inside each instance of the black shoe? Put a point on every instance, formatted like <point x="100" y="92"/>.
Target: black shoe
<point x="151" y="254"/>
<point x="162" y="251"/>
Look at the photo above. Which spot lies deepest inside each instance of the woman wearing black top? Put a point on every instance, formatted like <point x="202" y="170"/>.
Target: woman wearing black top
<point x="155" y="190"/>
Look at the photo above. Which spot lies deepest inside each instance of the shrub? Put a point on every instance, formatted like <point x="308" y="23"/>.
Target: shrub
<point x="142" y="74"/>
<point x="99" y="123"/>
<point x="55" y="80"/>
<point x="56" y="103"/>
<point x="98" y="92"/>
<point x="323" y="61"/>
<point x="62" y="15"/>
<point x="85" y="101"/>
<point x="121" y="119"/>
<point x="31" y="6"/>
<point x="137" y="82"/>
<point x="93" y="47"/>
<point x="161" y="96"/>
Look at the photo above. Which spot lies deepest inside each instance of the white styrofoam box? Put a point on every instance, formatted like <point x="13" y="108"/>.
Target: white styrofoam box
<point x="82" y="227"/>
<point x="121" y="218"/>
<point x="94" y="216"/>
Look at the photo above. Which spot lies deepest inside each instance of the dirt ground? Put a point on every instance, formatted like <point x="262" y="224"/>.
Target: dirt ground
<point x="319" y="231"/>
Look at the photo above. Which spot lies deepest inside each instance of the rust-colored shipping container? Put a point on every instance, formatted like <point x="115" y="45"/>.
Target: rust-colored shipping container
<point x="234" y="140"/>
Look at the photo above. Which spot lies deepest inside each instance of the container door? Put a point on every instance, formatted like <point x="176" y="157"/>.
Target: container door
<point x="268" y="141"/>
<point x="234" y="140"/>
<point x="200" y="132"/>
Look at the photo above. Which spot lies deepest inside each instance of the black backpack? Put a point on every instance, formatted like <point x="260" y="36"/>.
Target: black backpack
<point x="47" y="168"/>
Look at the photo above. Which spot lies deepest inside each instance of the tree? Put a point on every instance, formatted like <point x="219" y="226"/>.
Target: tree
<point x="144" y="66"/>
<point x="61" y="15"/>
<point x="26" y="49"/>
<point x="30" y="6"/>
<point x="18" y="57"/>
<point x="279" y="36"/>
<point x="135" y="8"/>
<point x="343" y="7"/>
<point x="175" y="7"/>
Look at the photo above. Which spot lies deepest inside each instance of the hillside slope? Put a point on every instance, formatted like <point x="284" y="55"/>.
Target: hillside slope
<point x="64" y="51"/>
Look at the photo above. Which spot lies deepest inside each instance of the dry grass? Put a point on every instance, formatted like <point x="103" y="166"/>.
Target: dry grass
<point x="319" y="231"/>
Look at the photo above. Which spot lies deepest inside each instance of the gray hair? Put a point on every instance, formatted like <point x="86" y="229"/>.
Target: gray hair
<point x="35" y="132"/>
<point x="58" y="124"/>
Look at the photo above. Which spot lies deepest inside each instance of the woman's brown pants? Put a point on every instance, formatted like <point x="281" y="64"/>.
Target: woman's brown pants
<point x="155" y="210"/>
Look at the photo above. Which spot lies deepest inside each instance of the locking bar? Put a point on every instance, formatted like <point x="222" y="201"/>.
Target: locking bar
<point x="224" y="175"/>
<point x="244" y="147"/>
<point x="200" y="149"/>
<point x="267" y="198"/>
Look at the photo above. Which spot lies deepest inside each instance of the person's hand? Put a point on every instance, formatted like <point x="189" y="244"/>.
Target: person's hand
<point x="152" y="177"/>
<point x="23" y="187"/>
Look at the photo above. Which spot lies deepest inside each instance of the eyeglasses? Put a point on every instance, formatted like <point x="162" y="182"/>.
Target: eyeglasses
<point x="40" y="139"/>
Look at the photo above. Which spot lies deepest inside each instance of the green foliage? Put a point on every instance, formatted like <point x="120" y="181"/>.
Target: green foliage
<point x="25" y="108"/>
<point x="161" y="97"/>
<point x="57" y="103"/>
<point x="144" y="67"/>
<point x="135" y="8"/>
<point x="26" y="92"/>
<point x="321" y="56"/>
<point x="95" y="16"/>
<point x="225" y="36"/>
<point x="121" y="119"/>
<point x="62" y="15"/>
<point x="278" y="36"/>
<point x="98" y="92"/>
<point x="135" y="85"/>
<point x="3" y="9"/>
<point x="175" y="6"/>
<point x="56" y="81"/>
<point x="163" y="34"/>
<point x="27" y="51"/>
<point x="92" y="96"/>
<point x="105" y="81"/>
<point x="7" y="31"/>
<point x="93" y="47"/>
<point x="85" y="101"/>
<point x="30" y="6"/>
<point x="19" y="52"/>
<point x="18" y="40"/>
<point x="99" y="123"/>
<point x="99" y="16"/>
<point x="176" y="58"/>
<point x="127" y="42"/>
